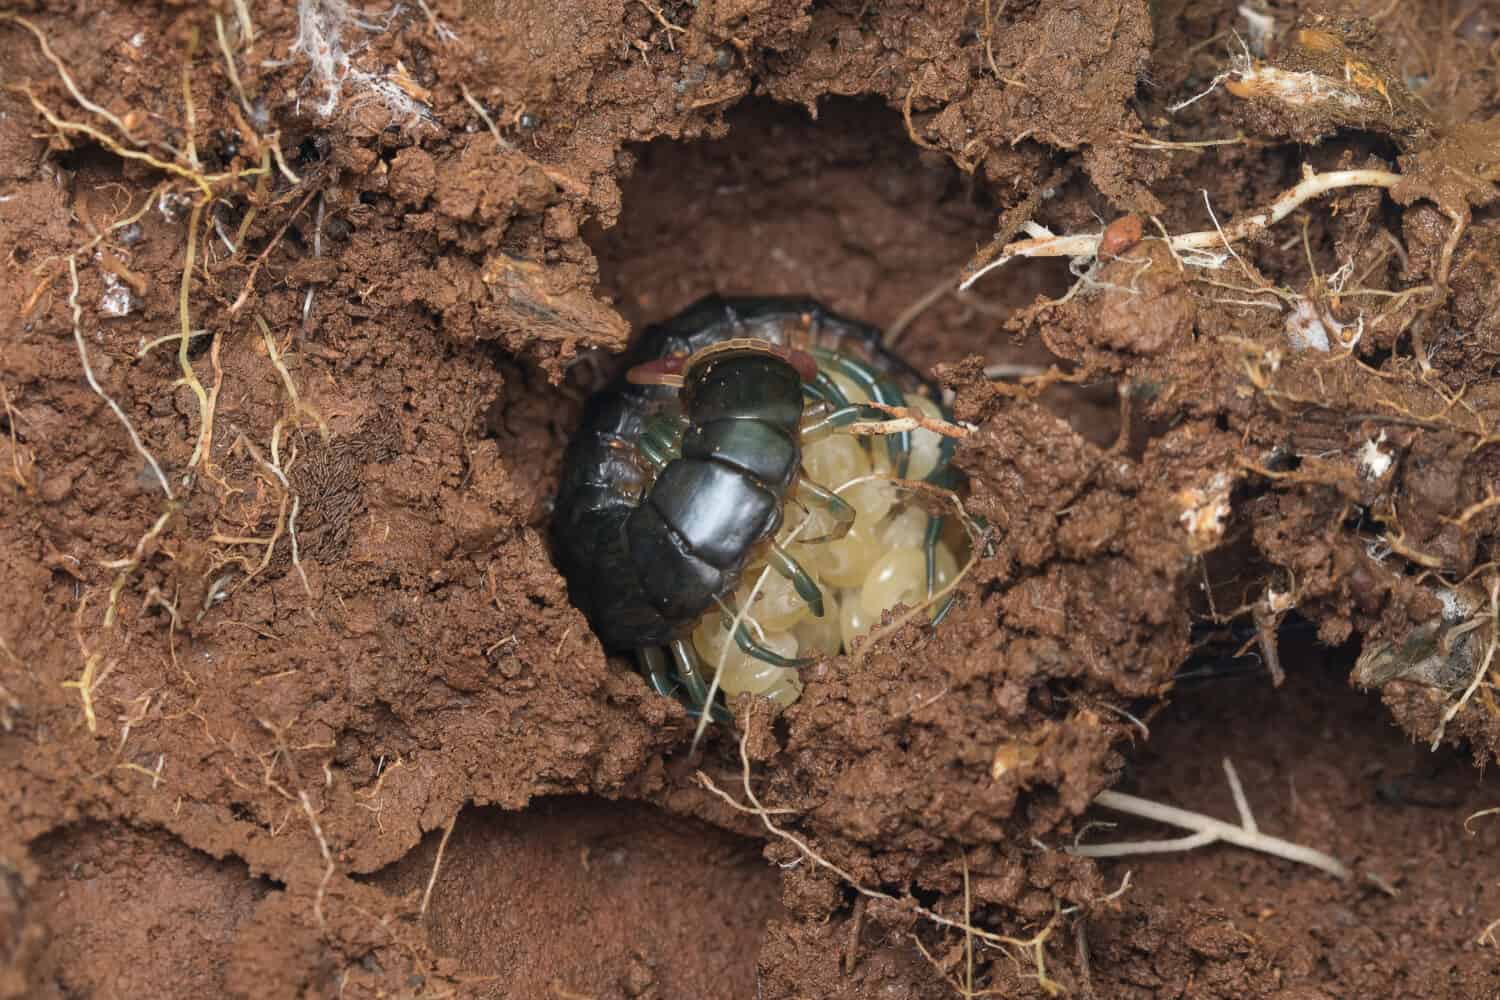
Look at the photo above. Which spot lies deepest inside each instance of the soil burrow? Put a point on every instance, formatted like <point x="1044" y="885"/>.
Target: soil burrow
<point x="301" y="300"/>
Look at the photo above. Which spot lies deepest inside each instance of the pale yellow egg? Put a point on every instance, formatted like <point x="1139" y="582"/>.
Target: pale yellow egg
<point x="821" y="636"/>
<point x="835" y="460"/>
<point x="853" y="622"/>
<point x="777" y="605"/>
<point x="845" y="561"/>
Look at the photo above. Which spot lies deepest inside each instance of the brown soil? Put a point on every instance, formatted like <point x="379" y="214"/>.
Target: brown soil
<point x="253" y="667"/>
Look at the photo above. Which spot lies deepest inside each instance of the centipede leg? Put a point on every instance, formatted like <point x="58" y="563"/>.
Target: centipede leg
<point x="750" y="647"/>
<point x="940" y="473"/>
<point x="690" y="672"/>
<point x="930" y="547"/>
<point x="689" y="664"/>
<point x="652" y="453"/>
<point x="807" y="588"/>
<point x="658" y="672"/>
<point x="829" y="390"/>
<point x="814" y="495"/>
<point x="899" y="445"/>
<point x="660" y="442"/>
<point x="881" y="391"/>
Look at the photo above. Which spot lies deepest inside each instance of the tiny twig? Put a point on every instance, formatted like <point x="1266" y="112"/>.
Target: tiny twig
<point x="1492" y="811"/>
<point x="260" y="259"/>
<point x="739" y="619"/>
<point x="1487" y="936"/>
<point x="67" y="78"/>
<point x="234" y="73"/>
<point x="185" y="334"/>
<point x="856" y="925"/>
<point x="903" y="419"/>
<point x="1241" y="804"/>
<point x="911" y="313"/>
<point x="484" y="116"/>
<point x="661" y="19"/>
<point x="204" y="182"/>
<point x="247" y="27"/>
<point x="17" y="467"/>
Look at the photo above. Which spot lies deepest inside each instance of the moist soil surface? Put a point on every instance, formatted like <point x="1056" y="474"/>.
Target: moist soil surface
<point x="301" y="303"/>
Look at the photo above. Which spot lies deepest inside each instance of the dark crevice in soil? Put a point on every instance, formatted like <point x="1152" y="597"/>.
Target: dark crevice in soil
<point x="842" y="208"/>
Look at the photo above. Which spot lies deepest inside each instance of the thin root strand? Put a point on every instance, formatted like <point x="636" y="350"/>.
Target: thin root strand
<point x="1207" y="830"/>
<point x="1032" y="947"/>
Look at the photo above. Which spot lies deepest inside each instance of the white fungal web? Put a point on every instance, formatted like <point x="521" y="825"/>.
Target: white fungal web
<point x="322" y="30"/>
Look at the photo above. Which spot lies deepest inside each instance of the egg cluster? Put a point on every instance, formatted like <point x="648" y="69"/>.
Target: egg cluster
<point x="878" y="564"/>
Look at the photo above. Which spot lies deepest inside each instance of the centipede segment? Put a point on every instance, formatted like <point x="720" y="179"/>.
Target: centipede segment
<point x="715" y="515"/>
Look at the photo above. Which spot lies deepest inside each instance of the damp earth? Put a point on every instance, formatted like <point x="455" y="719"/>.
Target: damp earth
<point x="300" y="305"/>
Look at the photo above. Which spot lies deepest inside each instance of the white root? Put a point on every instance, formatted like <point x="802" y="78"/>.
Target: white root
<point x="740" y="618"/>
<point x="1207" y="830"/>
<point x="328" y="869"/>
<point x="88" y="373"/>
<point x="1086" y="245"/>
<point x="437" y="862"/>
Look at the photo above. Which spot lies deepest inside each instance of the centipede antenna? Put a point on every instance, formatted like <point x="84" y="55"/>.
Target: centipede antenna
<point x="807" y="588"/>
<point x="811" y="494"/>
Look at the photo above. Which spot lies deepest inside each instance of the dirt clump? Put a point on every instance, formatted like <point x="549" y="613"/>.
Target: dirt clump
<point x="301" y="301"/>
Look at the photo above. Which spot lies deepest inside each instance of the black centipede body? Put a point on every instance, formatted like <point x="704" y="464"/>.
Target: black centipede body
<point x="667" y="493"/>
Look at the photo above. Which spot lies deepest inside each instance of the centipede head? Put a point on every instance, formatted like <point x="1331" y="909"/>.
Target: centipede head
<point x="678" y="370"/>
